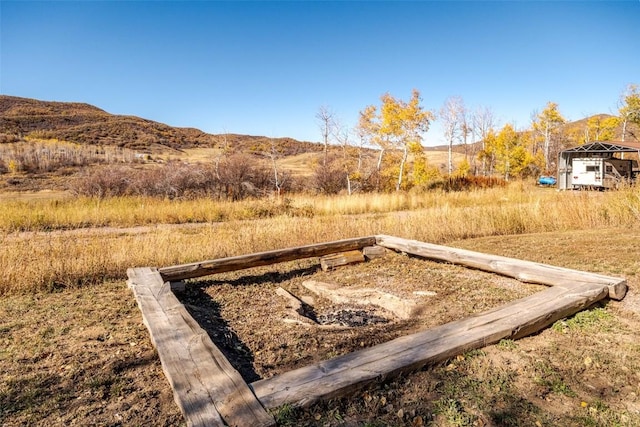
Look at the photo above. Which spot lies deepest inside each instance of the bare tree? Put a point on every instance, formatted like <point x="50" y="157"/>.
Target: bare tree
<point x="278" y="176"/>
<point x="483" y="121"/>
<point x="326" y="122"/>
<point x="452" y="118"/>
<point x="342" y="135"/>
<point x="224" y="150"/>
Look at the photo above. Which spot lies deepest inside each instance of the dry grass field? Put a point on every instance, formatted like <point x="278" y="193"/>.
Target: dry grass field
<point x="74" y="351"/>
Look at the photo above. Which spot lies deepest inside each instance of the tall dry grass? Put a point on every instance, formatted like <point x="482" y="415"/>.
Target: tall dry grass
<point x="129" y="211"/>
<point x="39" y="260"/>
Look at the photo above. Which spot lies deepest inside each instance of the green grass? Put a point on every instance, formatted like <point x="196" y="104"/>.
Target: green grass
<point x="507" y="344"/>
<point x="585" y="320"/>
<point x="454" y="413"/>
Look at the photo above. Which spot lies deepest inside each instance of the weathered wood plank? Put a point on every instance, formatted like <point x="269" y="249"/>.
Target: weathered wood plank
<point x="343" y="374"/>
<point x="221" y="265"/>
<point x="208" y="390"/>
<point x="373" y="252"/>
<point x="526" y="271"/>
<point x="328" y="262"/>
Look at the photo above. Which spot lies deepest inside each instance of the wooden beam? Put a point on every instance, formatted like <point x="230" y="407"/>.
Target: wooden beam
<point x="344" y="374"/>
<point x="525" y="271"/>
<point x="373" y="252"/>
<point x="221" y="265"/>
<point x="331" y="261"/>
<point x="208" y="390"/>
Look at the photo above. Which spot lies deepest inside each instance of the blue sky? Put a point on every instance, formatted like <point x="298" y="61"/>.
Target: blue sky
<point x="265" y="68"/>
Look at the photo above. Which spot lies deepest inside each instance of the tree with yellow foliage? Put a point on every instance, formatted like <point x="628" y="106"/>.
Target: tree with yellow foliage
<point x="423" y="173"/>
<point x="397" y="124"/>
<point x="507" y="152"/>
<point x="601" y="128"/>
<point x="629" y="107"/>
<point x="546" y="126"/>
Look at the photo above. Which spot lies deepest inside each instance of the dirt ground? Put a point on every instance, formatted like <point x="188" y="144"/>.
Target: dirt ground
<point x="83" y="357"/>
<point x="252" y="325"/>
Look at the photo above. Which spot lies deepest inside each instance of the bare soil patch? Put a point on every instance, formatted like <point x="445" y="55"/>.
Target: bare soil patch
<point x="249" y="321"/>
<point x="80" y="357"/>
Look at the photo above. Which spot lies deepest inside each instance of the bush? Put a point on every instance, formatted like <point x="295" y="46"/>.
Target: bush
<point x="235" y="178"/>
<point x="462" y="183"/>
<point x="329" y="177"/>
<point x="103" y="182"/>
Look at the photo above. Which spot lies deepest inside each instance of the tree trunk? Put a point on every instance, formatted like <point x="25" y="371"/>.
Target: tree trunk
<point x="402" y="163"/>
<point x="450" y="153"/>
<point x="546" y="146"/>
<point x="380" y="159"/>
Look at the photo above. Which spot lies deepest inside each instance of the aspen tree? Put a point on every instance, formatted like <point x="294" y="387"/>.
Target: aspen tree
<point x="509" y="151"/>
<point x="483" y="122"/>
<point x="629" y="107"/>
<point x="546" y="124"/>
<point x="326" y="122"/>
<point x="452" y="116"/>
<point x="601" y="128"/>
<point x="397" y="125"/>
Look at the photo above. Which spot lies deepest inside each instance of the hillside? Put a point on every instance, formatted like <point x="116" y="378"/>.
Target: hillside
<point x="598" y="129"/>
<point x="86" y="124"/>
<point x="574" y="132"/>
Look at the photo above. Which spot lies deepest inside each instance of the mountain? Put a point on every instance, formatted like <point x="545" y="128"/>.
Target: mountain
<point x="86" y="124"/>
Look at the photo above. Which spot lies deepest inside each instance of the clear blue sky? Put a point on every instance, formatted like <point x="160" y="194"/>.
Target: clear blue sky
<point x="265" y="68"/>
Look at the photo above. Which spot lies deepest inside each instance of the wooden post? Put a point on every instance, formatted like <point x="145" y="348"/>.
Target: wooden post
<point x="221" y="265"/>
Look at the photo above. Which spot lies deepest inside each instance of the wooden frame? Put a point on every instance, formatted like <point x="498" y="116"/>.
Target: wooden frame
<point x="209" y="391"/>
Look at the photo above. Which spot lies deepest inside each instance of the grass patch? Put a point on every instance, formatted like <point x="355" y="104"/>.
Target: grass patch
<point x="551" y="380"/>
<point x="585" y="321"/>
<point x="506" y="344"/>
<point x="285" y="415"/>
<point x="79" y="256"/>
<point x="453" y="413"/>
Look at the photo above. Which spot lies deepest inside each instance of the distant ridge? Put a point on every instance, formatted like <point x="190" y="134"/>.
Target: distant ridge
<point x="86" y="124"/>
<point x="572" y="128"/>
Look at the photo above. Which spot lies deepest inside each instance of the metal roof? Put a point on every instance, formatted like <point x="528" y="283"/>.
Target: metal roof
<point x="605" y="147"/>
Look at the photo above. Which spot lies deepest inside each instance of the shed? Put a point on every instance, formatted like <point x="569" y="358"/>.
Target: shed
<point x="594" y="151"/>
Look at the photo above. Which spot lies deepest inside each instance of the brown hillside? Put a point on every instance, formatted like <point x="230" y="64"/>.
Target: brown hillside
<point x="86" y="124"/>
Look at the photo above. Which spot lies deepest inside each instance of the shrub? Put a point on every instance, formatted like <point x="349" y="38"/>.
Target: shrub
<point x="329" y="177"/>
<point x="235" y="178"/>
<point x="461" y="183"/>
